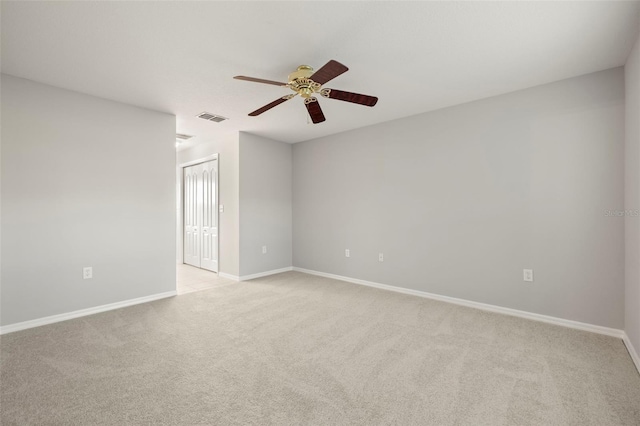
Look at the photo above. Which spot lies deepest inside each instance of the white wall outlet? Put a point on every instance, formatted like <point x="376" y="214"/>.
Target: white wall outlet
<point x="221" y="208"/>
<point x="527" y="274"/>
<point x="380" y="257"/>
<point x="87" y="272"/>
<point x="347" y="253"/>
<point x="264" y="249"/>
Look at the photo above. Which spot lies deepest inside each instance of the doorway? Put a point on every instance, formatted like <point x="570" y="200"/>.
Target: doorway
<point x="200" y="215"/>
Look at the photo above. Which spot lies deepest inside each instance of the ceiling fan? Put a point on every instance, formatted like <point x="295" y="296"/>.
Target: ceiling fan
<point x="306" y="83"/>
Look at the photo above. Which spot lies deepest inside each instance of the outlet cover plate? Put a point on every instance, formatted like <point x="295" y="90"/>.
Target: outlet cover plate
<point x="87" y="272"/>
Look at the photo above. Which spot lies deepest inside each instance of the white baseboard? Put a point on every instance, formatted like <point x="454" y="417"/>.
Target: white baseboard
<point x="82" y="312"/>
<point x="632" y="351"/>
<point x="266" y="273"/>
<point x="477" y="305"/>
<point x="228" y="276"/>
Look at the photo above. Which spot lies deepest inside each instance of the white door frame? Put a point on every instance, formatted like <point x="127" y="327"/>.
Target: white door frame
<point x="180" y="204"/>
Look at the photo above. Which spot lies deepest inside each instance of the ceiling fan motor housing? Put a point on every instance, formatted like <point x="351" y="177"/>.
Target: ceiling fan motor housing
<point x="300" y="82"/>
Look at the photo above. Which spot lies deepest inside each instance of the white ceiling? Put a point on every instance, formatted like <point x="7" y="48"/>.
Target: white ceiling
<point x="180" y="57"/>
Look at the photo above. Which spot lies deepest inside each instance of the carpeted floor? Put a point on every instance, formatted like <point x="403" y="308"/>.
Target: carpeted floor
<point x="294" y="349"/>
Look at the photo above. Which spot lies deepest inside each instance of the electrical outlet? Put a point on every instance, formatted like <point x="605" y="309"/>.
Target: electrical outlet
<point x="264" y="249"/>
<point x="87" y="272"/>
<point x="527" y="274"/>
<point x="347" y="253"/>
<point x="221" y="208"/>
<point x="380" y="257"/>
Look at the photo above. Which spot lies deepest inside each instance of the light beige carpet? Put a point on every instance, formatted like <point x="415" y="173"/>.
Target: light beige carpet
<point x="294" y="349"/>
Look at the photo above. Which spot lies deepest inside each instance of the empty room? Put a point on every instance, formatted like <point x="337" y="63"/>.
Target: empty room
<point x="320" y="213"/>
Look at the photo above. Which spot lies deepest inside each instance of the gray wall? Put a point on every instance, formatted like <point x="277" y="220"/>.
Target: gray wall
<point x="632" y="196"/>
<point x="85" y="182"/>
<point x="227" y="149"/>
<point x="460" y="200"/>
<point x="265" y="204"/>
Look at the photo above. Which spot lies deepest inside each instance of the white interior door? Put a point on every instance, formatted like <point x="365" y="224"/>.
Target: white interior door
<point x="201" y="215"/>
<point x="209" y="226"/>
<point x="191" y="216"/>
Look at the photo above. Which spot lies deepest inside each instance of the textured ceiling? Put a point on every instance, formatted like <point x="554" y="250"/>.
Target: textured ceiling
<point x="180" y="57"/>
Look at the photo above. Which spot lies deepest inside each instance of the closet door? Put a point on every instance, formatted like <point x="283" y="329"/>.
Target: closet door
<point x="209" y="225"/>
<point x="191" y="214"/>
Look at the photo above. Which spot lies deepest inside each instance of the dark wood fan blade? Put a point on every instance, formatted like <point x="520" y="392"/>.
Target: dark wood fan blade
<point x="267" y="107"/>
<point x="259" y="80"/>
<point x="355" y="98"/>
<point x="315" y="112"/>
<point x="329" y="71"/>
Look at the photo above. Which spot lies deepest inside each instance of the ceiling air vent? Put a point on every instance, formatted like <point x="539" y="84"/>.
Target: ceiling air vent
<point x="211" y="117"/>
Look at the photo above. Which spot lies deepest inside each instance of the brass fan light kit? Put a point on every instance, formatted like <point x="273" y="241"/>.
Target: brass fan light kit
<point x="306" y="82"/>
